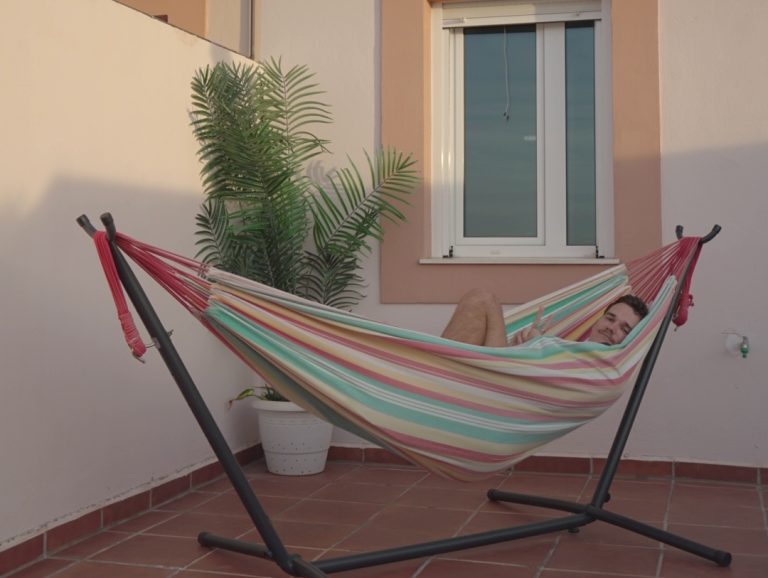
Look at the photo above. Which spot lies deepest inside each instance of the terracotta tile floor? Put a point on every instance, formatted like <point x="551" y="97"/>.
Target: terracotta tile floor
<point x="353" y="507"/>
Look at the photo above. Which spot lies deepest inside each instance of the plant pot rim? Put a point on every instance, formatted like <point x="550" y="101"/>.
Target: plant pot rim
<point x="273" y="405"/>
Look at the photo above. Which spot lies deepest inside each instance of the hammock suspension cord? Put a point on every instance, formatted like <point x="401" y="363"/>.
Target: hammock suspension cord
<point x="132" y="337"/>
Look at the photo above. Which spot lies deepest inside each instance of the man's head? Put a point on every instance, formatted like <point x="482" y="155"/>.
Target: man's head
<point x="619" y="318"/>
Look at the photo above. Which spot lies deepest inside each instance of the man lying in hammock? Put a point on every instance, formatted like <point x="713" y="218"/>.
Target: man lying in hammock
<point x="479" y="320"/>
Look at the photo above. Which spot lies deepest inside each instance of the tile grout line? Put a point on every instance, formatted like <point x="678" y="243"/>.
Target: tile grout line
<point x="665" y="526"/>
<point x="371" y="519"/>
<point x="543" y="566"/>
<point x="328" y="549"/>
<point x="761" y="493"/>
<point x="128" y="536"/>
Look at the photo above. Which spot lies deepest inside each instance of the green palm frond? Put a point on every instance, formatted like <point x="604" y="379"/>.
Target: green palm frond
<point x="333" y="280"/>
<point x="346" y="218"/>
<point x="250" y="165"/>
<point x="234" y="129"/>
<point x="254" y="129"/>
<point x="213" y="232"/>
<point x="292" y="98"/>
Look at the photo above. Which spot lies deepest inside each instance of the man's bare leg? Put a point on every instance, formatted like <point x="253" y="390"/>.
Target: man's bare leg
<point x="478" y="320"/>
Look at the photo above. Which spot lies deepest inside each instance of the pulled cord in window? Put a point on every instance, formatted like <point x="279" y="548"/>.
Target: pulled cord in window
<point x="505" y="114"/>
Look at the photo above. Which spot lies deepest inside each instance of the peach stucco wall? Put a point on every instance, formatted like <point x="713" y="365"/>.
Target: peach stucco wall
<point x="189" y="15"/>
<point x="636" y="131"/>
<point x="406" y="124"/>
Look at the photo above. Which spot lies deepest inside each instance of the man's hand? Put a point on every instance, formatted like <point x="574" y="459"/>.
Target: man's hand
<point x="537" y="328"/>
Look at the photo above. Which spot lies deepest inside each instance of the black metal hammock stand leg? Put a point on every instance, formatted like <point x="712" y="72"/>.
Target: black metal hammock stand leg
<point x="578" y="514"/>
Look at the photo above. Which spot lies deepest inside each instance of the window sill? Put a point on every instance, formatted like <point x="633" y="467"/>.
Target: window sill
<point x="516" y="261"/>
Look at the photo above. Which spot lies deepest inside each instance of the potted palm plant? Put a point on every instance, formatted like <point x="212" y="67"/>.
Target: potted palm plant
<point x="265" y="219"/>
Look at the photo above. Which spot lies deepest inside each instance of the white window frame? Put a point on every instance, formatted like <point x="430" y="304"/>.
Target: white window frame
<point x="447" y="120"/>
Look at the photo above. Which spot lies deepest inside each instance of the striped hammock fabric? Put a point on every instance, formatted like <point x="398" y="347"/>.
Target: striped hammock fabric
<point x="460" y="410"/>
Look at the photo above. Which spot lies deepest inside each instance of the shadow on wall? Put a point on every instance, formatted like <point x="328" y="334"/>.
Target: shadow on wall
<point x="80" y="409"/>
<point x="56" y="299"/>
<point x="51" y="267"/>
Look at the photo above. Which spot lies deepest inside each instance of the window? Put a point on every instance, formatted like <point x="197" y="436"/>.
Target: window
<point x="521" y="130"/>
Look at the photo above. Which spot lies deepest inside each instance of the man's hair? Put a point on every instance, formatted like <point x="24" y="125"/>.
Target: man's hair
<point x="637" y="304"/>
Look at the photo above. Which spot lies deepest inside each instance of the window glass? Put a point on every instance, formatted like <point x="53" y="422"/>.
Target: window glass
<point x="500" y="157"/>
<point x="580" y="132"/>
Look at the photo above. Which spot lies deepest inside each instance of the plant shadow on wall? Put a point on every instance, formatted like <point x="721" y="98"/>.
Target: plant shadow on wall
<point x="263" y="217"/>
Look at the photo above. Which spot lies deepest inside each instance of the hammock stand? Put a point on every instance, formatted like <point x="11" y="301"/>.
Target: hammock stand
<point x="580" y="514"/>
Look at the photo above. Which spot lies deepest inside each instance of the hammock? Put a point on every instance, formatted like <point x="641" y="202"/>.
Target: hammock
<point x="460" y="410"/>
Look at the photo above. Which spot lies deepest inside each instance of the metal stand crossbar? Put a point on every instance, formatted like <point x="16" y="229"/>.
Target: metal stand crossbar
<point x="293" y="565"/>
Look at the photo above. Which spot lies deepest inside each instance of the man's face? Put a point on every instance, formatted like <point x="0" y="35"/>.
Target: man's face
<point x="614" y="325"/>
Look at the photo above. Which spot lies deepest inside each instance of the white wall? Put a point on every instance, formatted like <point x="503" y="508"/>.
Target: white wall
<point x="704" y="403"/>
<point x="93" y="118"/>
<point x="229" y="24"/>
<point x="339" y="41"/>
<point x="715" y="170"/>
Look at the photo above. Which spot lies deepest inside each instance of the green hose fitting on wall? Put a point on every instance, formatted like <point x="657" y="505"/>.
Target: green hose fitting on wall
<point x="744" y="348"/>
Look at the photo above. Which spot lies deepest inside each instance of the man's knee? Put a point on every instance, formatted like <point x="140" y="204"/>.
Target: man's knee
<point x="479" y="298"/>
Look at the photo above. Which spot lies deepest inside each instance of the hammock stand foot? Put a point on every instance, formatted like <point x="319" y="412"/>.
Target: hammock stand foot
<point x="421" y="550"/>
<point x="293" y="565"/>
<point x="296" y="566"/>
<point x="597" y="513"/>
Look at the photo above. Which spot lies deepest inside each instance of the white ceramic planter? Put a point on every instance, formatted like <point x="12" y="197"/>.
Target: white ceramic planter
<point x="295" y="442"/>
